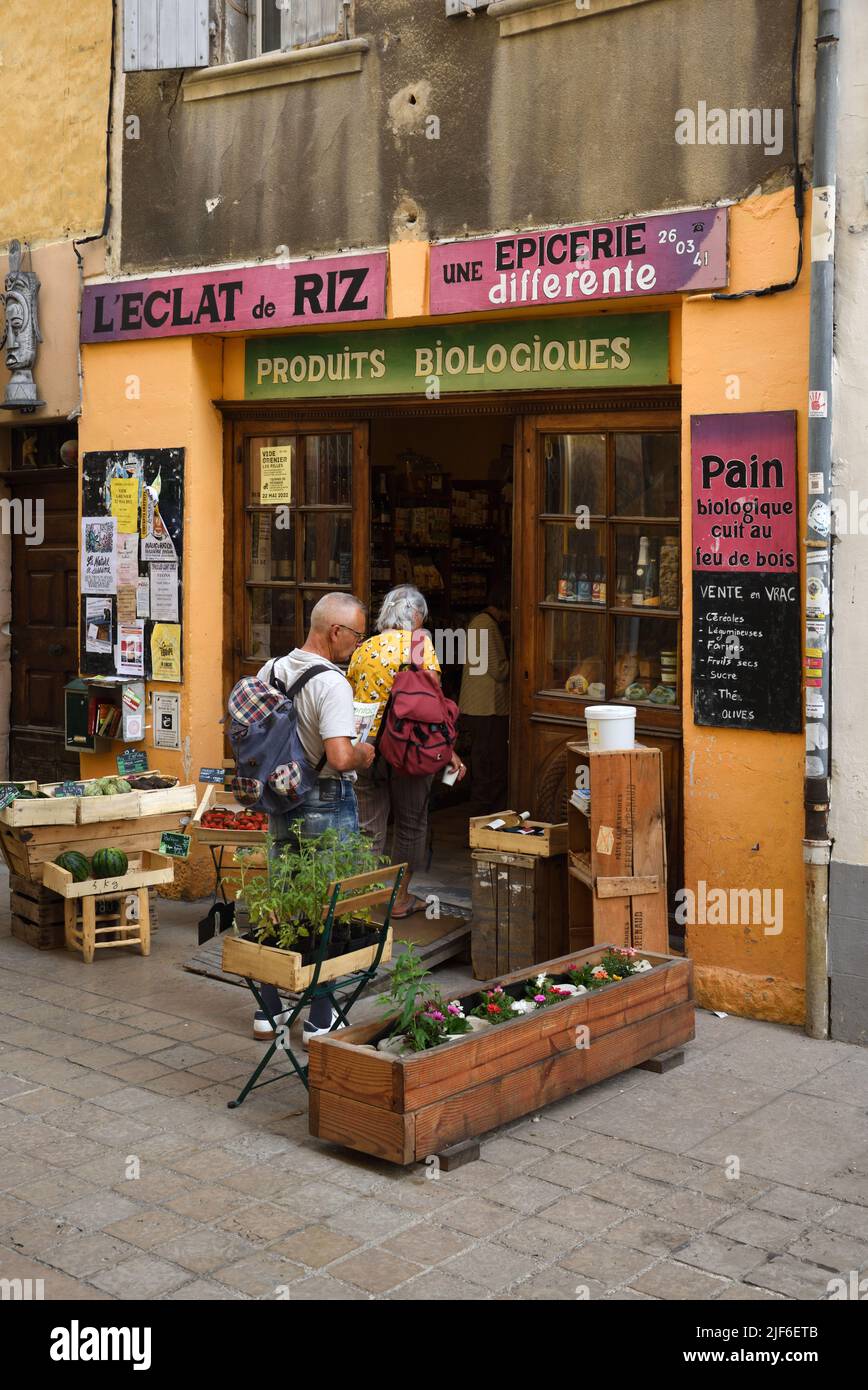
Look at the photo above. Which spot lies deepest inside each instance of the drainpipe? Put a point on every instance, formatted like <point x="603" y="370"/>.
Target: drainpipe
<point x="818" y="548"/>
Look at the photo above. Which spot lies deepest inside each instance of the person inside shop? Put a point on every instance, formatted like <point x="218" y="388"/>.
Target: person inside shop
<point x="400" y="640"/>
<point x="484" y="703"/>
<point x="326" y="728"/>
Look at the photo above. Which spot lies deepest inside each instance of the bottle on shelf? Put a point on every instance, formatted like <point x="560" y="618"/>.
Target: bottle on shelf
<point x="566" y="582"/>
<point x="583" y="583"/>
<point x="639" y="574"/>
<point x="652" y="588"/>
<point x="600" y="582"/>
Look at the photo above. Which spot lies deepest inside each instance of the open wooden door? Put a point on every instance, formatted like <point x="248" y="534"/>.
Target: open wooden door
<point x="595" y="494"/>
<point x="283" y="556"/>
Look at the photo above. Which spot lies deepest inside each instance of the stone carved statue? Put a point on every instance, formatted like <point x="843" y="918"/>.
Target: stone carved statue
<point x="20" y="334"/>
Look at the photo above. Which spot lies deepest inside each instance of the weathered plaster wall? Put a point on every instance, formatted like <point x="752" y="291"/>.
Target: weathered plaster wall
<point x="54" y="70"/>
<point x="849" y="815"/>
<point x="573" y="122"/>
<point x="176" y="379"/>
<point x="743" y="790"/>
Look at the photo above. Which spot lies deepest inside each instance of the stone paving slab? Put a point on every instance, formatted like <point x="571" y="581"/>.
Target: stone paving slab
<point x="623" y="1192"/>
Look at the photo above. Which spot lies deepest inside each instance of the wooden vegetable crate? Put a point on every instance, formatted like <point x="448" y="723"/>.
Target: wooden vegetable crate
<point x="215" y="798"/>
<point x="405" y="1108"/>
<point x="145" y="869"/>
<point x="35" y="832"/>
<point x="37" y="914"/>
<point x="519" y="910"/>
<point x="552" y="841"/>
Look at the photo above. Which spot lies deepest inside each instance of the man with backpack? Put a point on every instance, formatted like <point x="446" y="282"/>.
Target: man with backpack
<point x="325" y="723"/>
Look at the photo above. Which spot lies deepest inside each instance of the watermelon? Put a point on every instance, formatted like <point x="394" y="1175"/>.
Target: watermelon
<point x="109" y="863"/>
<point x="75" y="864"/>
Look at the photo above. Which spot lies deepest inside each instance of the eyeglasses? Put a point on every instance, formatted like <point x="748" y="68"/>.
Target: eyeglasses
<point x="359" y="636"/>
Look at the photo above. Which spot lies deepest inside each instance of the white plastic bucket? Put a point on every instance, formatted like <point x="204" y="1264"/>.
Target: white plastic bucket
<point x="610" y="726"/>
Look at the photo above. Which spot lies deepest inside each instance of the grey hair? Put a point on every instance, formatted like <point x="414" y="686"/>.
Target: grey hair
<point x="333" y="608"/>
<point x="400" y="607"/>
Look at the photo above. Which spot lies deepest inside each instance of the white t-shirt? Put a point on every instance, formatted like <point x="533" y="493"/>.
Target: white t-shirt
<point x="324" y="707"/>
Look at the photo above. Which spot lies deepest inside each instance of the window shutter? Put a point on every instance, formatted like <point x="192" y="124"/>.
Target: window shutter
<point x="312" y="21"/>
<point x="165" y="34"/>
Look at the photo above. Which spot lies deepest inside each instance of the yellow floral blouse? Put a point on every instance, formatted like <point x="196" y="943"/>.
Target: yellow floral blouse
<point x="376" y="662"/>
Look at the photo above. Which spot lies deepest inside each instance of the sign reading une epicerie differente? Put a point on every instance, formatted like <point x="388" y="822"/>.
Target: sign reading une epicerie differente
<point x="607" y="260"/>
<point x="745" y="559"/>
<point x="341" y="289"/>
<point x="557" y="353"/>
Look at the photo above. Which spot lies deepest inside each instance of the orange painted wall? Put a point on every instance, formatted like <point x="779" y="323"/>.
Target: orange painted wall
<point x="154" y="395"/>
<point x="743" y="813"/>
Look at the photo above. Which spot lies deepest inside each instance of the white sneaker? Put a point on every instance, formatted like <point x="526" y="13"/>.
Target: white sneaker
<point x="262" y="1029"/>
<point x="309" y="1031"/>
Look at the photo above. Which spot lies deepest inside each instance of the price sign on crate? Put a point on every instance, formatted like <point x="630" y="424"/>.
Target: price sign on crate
<point x="8" y="795"/>
<point x="176" y="845"/>
<point x="69" y="789"/>
<point x="132" y="760"/>
<point x="212" y="774"/>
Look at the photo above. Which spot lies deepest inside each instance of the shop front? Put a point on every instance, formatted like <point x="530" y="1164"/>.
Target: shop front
<point x="483" y="411"/>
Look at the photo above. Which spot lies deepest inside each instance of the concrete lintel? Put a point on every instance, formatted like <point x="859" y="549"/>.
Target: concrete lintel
<point x="276" y="69"/>
<point x="525" y="16"/>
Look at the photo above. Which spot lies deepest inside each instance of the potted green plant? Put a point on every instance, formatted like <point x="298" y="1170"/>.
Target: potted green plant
<point x="287" y="906"/>
<point x="419" y="1015"/>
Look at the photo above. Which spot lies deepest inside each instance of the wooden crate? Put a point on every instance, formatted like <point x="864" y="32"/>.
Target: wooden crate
<point x="553" y="840"/>
<point x="28" y="849"/>
<point x="143" y="870"/>
<point x="519" y="911"/>
<point x="405" y="1108"/>
<point x="212" y="798"/>
<point x="42" y="937"/>
<point x="617" y="850"/>
<point x="272" y="966"/>
<point x="36" y="811"/>
<point x="37" y="914"/>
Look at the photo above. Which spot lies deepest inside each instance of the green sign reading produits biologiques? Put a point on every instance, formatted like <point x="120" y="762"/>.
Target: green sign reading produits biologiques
<point x="534" y="354"/>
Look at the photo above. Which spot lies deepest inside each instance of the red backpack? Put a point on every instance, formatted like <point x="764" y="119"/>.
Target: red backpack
<point x="418" y="729"/>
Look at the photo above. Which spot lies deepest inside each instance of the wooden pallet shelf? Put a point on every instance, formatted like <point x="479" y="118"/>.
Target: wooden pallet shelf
<point x="617" y="849"/>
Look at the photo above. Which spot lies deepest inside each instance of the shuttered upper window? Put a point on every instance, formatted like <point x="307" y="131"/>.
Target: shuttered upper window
<point x="288" y="24"/>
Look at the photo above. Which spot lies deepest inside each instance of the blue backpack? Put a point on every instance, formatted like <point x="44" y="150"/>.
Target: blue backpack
<point x="272" y="772"/>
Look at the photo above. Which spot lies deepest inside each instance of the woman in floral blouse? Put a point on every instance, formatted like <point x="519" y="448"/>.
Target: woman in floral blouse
<point x="399" y="641"/>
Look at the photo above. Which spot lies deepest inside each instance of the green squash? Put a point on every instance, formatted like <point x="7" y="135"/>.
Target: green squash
<point x="75" y="864"/>
<point x="109" y="863"/>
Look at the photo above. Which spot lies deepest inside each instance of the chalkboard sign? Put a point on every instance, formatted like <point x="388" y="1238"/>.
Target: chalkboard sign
<point x="69" y="789"/>
<point x="175" y="844"/>
<point x="217" y="775"/>
<point x="745" y="560"/>
<point x="132" y="760"/>
<point x="7" y="796"/>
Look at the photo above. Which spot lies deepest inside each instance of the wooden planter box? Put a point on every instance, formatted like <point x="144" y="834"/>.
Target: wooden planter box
<point x="552" y="841"/>
<point x="406" y="1108"/>
<point x="272" y="966"/>
<point x="519" y="911"/>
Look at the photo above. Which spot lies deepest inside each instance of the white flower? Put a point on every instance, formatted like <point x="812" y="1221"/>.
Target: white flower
<point x="523" y="1006"/>
<point x="540" y="979"/>
<point x="642" y="965"/>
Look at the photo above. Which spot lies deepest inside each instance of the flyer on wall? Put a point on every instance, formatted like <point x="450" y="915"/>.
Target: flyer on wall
<point x="131" y="649"/>
<point x="166" y="652"/>
<point x="98" y="625"/>
<point x="98" y="563"/>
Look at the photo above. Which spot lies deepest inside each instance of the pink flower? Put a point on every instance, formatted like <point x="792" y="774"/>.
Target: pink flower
<point x="436" y="1015"/>
<point x="626" y="951"/>
<point x="539" y="999"/>
<point x="454" y="1009"/>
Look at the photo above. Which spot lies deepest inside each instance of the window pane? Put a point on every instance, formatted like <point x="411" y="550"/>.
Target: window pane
<point x="328" y="469"/>
<point x="328" y="555"/>
<point x="574" y="472"/>
<point x="270" y="623"/>
<point x="269" y="39"/>
<point x="270" y="547"/>
<point x="575" y="564"/>
<point x="646" y="474"/>
<point x="646" y="660"/>
<point x="282" y="441"/>
<point x="647" y="573"/>
<point x="574" y="652"/>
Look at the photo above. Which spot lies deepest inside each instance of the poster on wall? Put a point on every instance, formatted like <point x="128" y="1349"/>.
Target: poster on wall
<point x="745" y="558"/>
<point x="132" y="553"/>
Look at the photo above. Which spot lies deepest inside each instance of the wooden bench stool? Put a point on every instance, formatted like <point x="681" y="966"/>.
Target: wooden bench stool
<point x="131" y="926"/>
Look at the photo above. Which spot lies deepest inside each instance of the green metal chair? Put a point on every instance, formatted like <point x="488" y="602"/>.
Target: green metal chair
<point x="344" y="899"/>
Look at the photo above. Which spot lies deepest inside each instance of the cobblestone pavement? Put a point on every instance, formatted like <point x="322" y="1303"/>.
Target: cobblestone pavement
<point x="123" y="1174"/>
